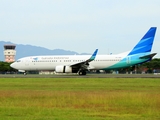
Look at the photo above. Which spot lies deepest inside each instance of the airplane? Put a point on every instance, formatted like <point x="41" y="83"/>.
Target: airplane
<point x="80" y="64"/>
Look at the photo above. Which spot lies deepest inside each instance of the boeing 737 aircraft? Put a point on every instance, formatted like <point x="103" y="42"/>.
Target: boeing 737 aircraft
<point x="81" y="63"/>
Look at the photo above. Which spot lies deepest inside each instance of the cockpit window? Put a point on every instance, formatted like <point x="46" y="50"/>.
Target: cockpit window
<point x="18" y="60"/>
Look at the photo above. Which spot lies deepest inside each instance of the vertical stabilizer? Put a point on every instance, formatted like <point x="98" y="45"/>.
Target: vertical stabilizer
<point x="145" y="44"/>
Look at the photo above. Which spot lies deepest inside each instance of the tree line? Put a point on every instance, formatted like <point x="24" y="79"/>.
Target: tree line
<point x="149" y="67"/>
<point x="5" y="67"/>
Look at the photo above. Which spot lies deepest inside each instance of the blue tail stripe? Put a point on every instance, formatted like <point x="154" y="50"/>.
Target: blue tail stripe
<point x="145" y="44"/>
<point x="143" y="48"/>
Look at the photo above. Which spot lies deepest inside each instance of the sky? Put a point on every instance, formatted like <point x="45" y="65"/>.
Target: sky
<point x="112" y="26"/>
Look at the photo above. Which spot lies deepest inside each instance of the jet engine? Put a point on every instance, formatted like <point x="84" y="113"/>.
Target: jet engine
<point x="63" y="69"/>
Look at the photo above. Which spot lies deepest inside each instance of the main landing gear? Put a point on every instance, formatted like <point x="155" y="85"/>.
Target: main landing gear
<point x="82" y="72"/>
<point x="25" y="73"/>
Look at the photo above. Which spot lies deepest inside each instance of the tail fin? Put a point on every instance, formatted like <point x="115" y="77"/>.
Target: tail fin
<point x="145" y="44"/>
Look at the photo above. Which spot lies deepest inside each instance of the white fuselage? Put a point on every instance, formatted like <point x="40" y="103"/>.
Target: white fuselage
<point x="50" y="62"/>
<point x="80" y="63"/>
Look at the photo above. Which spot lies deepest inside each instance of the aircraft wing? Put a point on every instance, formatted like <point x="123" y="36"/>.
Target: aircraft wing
<point x="148" y="56"/>
<point x="84" y="64"/>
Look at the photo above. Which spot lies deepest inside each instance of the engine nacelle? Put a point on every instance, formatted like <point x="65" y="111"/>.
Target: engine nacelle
<point x="63" y="69"/>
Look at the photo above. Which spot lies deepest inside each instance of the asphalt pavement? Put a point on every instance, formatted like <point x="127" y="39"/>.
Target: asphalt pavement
<point x="81" y="76"/>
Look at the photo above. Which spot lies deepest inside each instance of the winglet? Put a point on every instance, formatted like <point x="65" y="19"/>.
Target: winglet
<point x="87" y="61"/>
<point x="93" y="56"/>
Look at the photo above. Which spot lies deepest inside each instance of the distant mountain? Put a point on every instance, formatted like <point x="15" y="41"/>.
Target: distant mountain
<point x="29" y="50"/>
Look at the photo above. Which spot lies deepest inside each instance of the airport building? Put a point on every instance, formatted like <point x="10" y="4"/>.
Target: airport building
<point x="9" y="53"/>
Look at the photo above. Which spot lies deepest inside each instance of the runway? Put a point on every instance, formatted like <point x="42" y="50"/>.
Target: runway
<point x="77" y="76"/>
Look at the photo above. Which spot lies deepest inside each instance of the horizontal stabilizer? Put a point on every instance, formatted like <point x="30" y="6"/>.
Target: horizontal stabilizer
<point x="148" y="56"/>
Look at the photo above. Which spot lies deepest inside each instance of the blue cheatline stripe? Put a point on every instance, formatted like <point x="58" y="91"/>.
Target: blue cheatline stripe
<point x="145" y="44"/>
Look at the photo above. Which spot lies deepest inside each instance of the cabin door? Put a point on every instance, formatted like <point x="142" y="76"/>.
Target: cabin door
<point x="128" y="60"/>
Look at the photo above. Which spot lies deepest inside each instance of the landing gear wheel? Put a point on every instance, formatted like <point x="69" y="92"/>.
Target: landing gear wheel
<point x="25" y="73"/>
<point x="82" y="72"/>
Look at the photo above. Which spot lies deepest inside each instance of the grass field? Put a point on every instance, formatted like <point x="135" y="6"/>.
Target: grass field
<point x="79" y="98"/>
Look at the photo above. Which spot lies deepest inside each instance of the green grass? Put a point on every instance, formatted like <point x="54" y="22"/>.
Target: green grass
<point x="79" y="98"/>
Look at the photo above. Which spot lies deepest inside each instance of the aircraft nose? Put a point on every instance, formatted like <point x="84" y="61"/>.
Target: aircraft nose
<point x="13" y="65"/>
